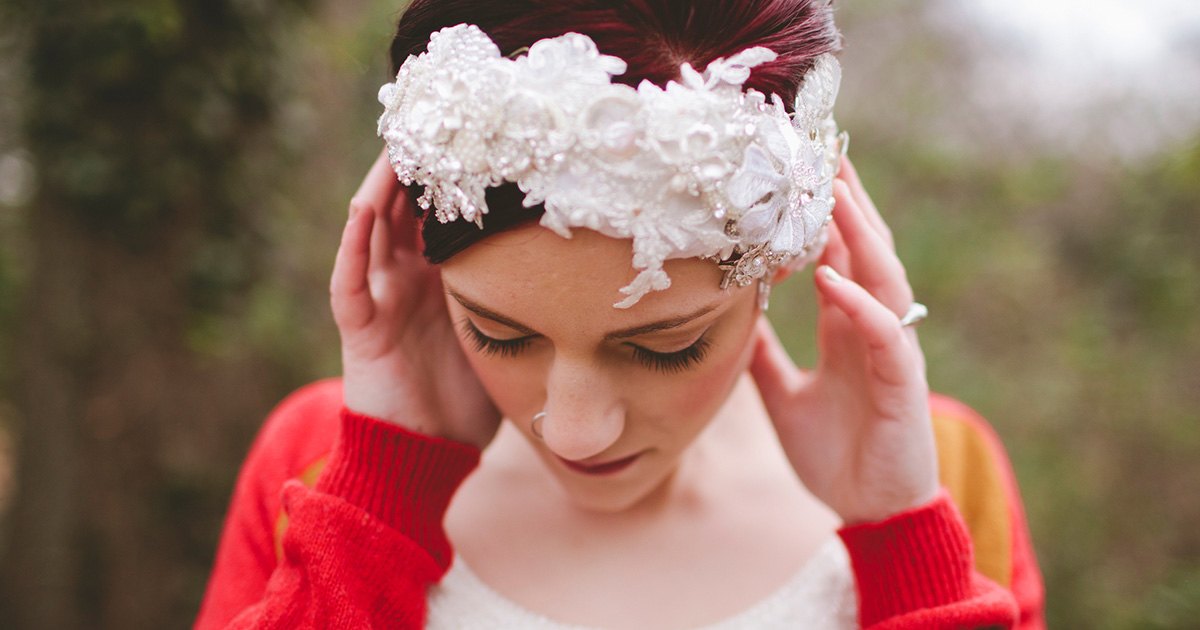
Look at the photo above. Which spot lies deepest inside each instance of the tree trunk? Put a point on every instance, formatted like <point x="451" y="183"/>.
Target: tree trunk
<point x="41" y="569"/>
<point x="151" y="128"/>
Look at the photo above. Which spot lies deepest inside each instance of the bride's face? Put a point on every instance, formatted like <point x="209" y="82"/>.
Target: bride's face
<point x="625" y="391"/>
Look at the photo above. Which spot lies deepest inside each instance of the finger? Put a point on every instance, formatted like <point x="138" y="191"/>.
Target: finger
<point x="349" y="292"/>
<point x="406" y="229"/>
<point x="772" y="369"/>
<point x="849" y="174"/>
<point x="875" y="265"/>
<point x="381" y="241"/>
<point x="836" y="255"/>
<point x="891" y="356"/>
<point x="380" y="186"/>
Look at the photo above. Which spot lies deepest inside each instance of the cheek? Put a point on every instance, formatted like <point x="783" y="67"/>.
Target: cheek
<point x="515" y="385"/>
<point x="701" y="393"/>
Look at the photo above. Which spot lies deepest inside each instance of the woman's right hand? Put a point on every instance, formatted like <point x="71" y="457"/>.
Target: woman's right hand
<point x="401" y="359"/>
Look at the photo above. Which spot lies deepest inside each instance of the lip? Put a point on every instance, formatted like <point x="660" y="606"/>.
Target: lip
<point x="607" y="468"/>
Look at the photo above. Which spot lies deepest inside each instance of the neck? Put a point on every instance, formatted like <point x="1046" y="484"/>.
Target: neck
<point x="739" y="443"/>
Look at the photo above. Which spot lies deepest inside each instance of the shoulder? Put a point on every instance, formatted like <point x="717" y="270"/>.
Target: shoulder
<point x="303" y="425"/>
<point x="974" y="467"/>
<point x="293" y="441"/>
<point x="295" y="438"/>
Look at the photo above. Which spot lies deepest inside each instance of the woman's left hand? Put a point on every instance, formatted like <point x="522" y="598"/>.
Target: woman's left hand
<point x="857" y="430"/>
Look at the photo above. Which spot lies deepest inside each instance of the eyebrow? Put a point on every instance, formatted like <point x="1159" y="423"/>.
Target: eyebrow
<point x="625" y="333"/>
<point x="666" y="324"/>
<point x="488" y="313"/>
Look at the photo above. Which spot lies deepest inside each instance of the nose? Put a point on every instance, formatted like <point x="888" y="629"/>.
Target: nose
<point x="584" y="414"/>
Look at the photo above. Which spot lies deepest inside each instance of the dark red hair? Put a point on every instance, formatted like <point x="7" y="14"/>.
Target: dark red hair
<point x="654" y="37"/>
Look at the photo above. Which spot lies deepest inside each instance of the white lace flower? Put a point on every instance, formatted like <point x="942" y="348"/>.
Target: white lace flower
<point x="571" y="58"/>
<point x="760" y="191"/>
<point x="610" y="126"/>
<point x="693" y="169"/>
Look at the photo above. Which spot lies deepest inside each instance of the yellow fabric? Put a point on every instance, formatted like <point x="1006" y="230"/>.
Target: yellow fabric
<point x="308" y="477"/>
<point x="969" y="470"/>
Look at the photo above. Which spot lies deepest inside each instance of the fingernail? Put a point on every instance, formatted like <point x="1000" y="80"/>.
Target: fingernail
<point x="831" y="274"/>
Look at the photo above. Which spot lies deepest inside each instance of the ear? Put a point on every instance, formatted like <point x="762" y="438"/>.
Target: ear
<point x="781" y="274"/>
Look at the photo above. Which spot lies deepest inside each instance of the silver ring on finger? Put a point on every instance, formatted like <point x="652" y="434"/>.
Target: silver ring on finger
<point x="533" y="426"/>
<point x="915" y="314"/>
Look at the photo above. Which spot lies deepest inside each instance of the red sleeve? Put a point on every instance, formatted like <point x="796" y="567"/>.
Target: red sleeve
<point x="918" y="570"/>
<point x="360" y="547"/>
<point x="914" y="571"/>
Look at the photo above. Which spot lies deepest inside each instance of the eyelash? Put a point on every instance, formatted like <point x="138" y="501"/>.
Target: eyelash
<point x="673" y="362"/>
<point x="664" y="362"/>
<point x="491" y="346"/>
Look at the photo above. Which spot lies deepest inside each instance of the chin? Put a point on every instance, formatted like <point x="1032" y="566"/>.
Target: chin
<point x="613" y="496"/>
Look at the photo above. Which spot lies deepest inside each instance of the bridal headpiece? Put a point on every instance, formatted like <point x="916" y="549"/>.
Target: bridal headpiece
<point x="697" y="169"/>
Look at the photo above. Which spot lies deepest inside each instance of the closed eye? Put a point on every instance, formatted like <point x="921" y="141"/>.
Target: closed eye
<point x="490" y="345"/>
<point x="663" y="362"/>
<point x="673" y="362"/>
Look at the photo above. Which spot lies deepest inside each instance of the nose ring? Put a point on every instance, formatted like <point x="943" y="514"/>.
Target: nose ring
<point x="533" y="426"/>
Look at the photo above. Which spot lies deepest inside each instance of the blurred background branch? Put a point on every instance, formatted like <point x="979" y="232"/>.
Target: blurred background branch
<point x="173" y="178"/>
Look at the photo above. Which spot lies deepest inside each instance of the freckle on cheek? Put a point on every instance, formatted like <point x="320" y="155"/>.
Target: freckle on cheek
<point x="706" y="392"/>
<point x="505" y="387"/>
<point x="507" y="393"/>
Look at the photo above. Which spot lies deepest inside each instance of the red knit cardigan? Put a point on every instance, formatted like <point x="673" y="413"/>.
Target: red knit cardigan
<point x="357" y="545"/>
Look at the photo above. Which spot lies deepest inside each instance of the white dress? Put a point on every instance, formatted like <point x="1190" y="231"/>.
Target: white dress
<point x="819" y="597"/>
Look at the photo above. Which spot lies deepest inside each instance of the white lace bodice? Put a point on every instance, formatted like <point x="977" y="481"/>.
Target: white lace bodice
<point x="819" y="597"/>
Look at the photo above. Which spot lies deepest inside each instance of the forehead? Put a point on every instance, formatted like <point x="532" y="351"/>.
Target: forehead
<point x="532" y="274"/>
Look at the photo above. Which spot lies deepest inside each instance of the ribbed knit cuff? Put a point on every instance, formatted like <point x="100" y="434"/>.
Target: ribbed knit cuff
<point x="914" y="560"/>
<point x="403" y="478"/>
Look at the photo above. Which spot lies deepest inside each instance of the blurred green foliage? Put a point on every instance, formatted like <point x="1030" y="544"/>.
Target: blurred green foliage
<point x="1064" y="289"/>
<point x="144" y="115"/>
<point x="153" y="127"/>
<point x="1066" y="298"/>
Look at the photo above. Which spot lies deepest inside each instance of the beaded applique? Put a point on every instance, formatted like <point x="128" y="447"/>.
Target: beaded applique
<point x="696" y="169"/>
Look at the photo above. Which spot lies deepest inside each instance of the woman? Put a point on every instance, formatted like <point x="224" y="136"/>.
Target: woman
<point x="664" y="464"/>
